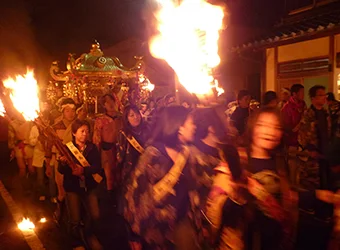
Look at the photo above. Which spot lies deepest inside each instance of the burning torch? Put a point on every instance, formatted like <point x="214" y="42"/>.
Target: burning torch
<point x="21" y="92"/>
<point x="189" y="44"/>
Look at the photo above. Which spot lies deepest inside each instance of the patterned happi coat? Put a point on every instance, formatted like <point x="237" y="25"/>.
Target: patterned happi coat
<point x="232" y="209"/>
<point x="308" y="140"/>
<point x="154" y="218"/>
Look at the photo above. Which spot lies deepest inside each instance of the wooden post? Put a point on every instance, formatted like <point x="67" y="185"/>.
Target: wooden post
<point x="96" y="105"/>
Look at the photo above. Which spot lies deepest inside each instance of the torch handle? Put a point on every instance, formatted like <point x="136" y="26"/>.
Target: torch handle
<point x="54" y="138"/>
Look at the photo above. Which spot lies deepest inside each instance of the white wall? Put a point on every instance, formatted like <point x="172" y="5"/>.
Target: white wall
<point x="302" y="50"/>
<point x="270" y="83"/>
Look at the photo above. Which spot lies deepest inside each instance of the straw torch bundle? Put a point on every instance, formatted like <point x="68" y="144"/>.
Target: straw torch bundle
<point x="21" y="92"/>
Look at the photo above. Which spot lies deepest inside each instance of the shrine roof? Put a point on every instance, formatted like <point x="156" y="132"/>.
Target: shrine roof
<point x="301" y="27"/>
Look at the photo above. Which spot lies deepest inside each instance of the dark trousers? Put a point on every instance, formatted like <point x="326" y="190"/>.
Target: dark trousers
<point x="39" y="181"/>
<point x="324" y="210"/>
<point x="76" y="203"/>
<point x="324" y="169"/>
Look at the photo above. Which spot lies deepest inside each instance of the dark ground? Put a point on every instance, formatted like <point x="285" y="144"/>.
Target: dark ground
<point x="312" y="233"/>
<point x="112" y="235"/>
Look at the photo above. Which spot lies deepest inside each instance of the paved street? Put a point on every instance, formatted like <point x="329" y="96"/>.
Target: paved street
<point x="10" y="236"/>
<point x="51" y="237"/>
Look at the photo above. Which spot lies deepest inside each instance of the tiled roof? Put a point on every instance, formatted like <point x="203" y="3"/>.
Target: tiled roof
<point x="307" y="26"/>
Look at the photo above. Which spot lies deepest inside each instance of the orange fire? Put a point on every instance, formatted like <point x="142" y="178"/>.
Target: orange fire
<point x="2" y="109"/>
<point x="26" y="225"/>
<point x="24" y="94"/>
<point x="188" y="42"/>
<point x="42" y="220"/>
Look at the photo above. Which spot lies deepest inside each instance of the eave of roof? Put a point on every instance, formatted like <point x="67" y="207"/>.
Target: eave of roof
<point x="320" y="25"/>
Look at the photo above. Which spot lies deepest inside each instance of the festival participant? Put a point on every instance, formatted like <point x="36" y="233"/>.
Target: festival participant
<point x="38" y="140"/>
<point x="130" y="145"/>
<point x="18" y="143"/>
<point x="228" y="203"/>
<point x="261" y="191"/>
<point x="63" y="130"/>
<point x="131" y="141"/>
<point x="210" y="134"/>
<point x="270" y="99"/>
<point x="82" y="114"/>
<point x="158" y="202"/>
<point x="80" y="185"/>
<point x="105" y="134"/>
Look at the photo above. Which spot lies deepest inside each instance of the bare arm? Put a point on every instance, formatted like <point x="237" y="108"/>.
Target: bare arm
<point x="97" y="132"/>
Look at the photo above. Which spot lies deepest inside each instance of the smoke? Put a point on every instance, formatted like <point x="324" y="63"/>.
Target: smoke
<point x="17" y="44"/>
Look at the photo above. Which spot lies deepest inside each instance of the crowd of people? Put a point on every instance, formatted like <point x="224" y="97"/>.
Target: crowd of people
<point x="184" y="177"/>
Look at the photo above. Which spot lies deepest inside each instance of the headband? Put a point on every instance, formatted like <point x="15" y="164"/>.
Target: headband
<point x="79" y="109"/>
<point x="68" y="105"/>
<point x="283" y="90"/>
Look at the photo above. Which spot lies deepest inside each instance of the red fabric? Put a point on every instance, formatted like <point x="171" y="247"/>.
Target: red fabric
<point x="21" y="146"/>
<point x="292" y="113"/>
<point x="3" y="130"/>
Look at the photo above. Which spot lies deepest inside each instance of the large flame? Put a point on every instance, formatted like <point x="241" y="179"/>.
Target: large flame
<point x="26" y="225"/>
<point x="188" y="42"/>
<point x="24" y="94"/>
<point x="2" y="109"/>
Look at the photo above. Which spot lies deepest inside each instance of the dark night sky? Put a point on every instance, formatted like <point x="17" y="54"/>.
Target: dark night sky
<point x="36" y="32"/>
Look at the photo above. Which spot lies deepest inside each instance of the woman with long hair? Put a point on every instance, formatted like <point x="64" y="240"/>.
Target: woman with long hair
<point x="158" y="202"/>
<point x="130" y="142"/>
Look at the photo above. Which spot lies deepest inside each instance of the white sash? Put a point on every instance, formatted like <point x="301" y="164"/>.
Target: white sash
<point x="79" y="156"/>
<point x="166" y="185"/>
<point x="134" y="143"/>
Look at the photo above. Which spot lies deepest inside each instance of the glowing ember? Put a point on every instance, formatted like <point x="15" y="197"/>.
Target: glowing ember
<point x="2" y="109"/>
<point x="24" y="94"/>
<point x="188" y="41"/>
<point x="42" y="220"/>
<point x="26" y="225"/>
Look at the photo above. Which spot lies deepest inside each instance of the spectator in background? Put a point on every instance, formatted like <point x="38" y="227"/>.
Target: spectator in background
<point x="239" y="117"/>
<point x="143" y="109"/>
<point x="160" y="103"/>
<point x="270" y="99"/>
<point x="291" y="114"/>
<point x="170" y="100"/>
<point x="150" y="110"/>
<point x="314" y="139"/>
<point x="186" y="104"/>
<point x="284" y="97"/>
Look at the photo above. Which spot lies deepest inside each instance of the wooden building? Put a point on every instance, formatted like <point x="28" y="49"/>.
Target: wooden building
<point x="304" y="48"/>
